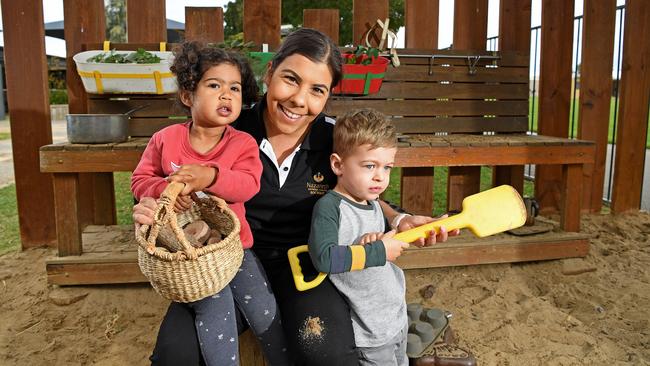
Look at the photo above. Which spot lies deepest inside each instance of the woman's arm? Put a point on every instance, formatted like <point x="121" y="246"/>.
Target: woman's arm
<point x="412" y="221"/>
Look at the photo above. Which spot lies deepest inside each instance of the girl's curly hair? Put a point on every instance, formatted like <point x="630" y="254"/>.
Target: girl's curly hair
<point x="193" y="58"/>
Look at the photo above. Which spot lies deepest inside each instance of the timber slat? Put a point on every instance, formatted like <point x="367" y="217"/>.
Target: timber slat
<point x="458" y="74"/>
<point x="432" y="107"/>
<point x="432" y="90"/>
<point x="422" y="150"/>
<point x="97" y="265"/>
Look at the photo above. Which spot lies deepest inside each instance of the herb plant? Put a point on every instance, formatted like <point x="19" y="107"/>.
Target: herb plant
<point x="357" y="56"/>
<point x="139" y="57"/>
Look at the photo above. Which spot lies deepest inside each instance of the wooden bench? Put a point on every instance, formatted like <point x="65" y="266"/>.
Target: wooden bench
<point x="448" y="116"/>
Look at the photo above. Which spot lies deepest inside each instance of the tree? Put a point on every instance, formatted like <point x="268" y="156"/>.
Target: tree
<point x="116" y="20"/>
<point x="292" y="14"/>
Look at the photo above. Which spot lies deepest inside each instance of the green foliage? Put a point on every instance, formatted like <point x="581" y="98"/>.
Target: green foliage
<point x="292" y="14"/>
<point x="58" y="96"/>
<point x="5" y="136"/>
<point x="362" y="55"/>
<point x="9" y="229"/>
<point x="116" y="20"/>
<point x="138" y="57"/>
<point x="236" y="43"/>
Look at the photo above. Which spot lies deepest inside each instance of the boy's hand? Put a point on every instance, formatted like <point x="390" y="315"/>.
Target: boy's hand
<point x="410" y="222"/>
<point x="370" y="237"/>
<point x="392" y="246"/>
<point x="182" y="203"/>
<point x="196" y="177"/>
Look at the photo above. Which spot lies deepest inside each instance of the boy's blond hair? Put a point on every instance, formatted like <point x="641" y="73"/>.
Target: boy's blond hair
<point x="363" y="127"/>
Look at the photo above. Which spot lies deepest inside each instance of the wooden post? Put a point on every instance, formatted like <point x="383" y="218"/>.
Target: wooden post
<point x="365" y="14"/>
<point x="262" y="22"/>
<point x="633" y="115"/>
<point x="146" y="21"/>
<point x="470" y="33"/>
<point x="514" y="35"/>
<point x="554" y="92"/>
<point x="421" y="21"/>
<point x="29" y="111"/>
<point x="204" y="24"/>
<point x="85" y="22"/>
<point x="325" y="20"/>
<point x="596" y="93"/>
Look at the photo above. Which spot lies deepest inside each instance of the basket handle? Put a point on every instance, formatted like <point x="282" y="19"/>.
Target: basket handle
<point x="165" y="213"/>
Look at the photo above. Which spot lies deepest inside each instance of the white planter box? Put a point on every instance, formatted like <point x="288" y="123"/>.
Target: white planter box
<point x="100" y="78"/>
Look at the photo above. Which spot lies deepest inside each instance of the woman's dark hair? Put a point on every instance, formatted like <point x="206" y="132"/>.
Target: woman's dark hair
<point x="314" y="45"/>
<point x="192" y="59"/>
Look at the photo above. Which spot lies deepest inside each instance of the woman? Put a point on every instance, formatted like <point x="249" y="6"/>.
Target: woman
<point x="295" y="140"/>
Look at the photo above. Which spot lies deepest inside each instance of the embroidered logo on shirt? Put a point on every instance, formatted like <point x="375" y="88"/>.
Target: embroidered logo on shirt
<point x="318" y="177"/>
<point x="317" y="188"/>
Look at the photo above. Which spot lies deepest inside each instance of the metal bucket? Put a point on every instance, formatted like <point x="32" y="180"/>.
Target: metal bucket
<point x="98" y="128"/>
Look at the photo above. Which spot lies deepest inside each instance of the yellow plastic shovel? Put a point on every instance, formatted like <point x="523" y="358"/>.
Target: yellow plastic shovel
<point x="486" y="213"/>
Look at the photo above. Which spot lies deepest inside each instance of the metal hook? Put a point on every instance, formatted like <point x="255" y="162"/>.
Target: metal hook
<point x="471" y="63"/>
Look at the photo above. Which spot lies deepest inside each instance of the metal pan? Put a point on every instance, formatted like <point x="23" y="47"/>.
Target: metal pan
<point x="99" y="128"/>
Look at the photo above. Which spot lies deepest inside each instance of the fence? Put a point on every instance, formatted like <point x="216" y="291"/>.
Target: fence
<point x="492" y="45"/>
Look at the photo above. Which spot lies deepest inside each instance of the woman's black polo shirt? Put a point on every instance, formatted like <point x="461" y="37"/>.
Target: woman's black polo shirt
<point x="280" y="217"/>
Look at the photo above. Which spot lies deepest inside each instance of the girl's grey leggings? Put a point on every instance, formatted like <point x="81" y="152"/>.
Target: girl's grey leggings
<point x="216" y="324"/>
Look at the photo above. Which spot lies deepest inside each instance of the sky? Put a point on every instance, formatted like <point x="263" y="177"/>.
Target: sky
<point x="53" y="11"/>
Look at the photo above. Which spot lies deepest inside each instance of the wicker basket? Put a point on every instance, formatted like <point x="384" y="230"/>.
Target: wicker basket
<point x="189" y="274"/>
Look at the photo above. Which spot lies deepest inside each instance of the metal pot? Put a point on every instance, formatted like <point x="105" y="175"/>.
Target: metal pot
<point x="99" y="128"/>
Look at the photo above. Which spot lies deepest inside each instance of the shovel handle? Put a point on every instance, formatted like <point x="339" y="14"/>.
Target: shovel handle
<point x="296" y="270"/>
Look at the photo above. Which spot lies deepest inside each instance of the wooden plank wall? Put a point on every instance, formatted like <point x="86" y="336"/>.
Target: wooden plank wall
<point x="596" y="93"/>
<point x="262" y="22"/>
<point x="146" y="21"/>
<point x="204" y="24"/>
<point x="470" y="33"/>
<point x="633" y="115"/>
<point x="421" y="23"/>
<point x="29" y="111"/>
<point x="554" y="92"/>
<point x="85" y="22"/>
<point x="364" y="15"/>
<point x="325" y="20"/>
<point x="514" y="35"/>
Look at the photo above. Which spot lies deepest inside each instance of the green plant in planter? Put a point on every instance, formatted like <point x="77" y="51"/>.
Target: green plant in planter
<point x="357" y="56"/>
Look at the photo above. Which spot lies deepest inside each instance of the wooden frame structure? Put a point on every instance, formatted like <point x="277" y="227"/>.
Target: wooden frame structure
<point x="89" y="185"/>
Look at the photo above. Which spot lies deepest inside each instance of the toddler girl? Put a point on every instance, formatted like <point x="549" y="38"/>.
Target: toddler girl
<point x="209" y="155"/>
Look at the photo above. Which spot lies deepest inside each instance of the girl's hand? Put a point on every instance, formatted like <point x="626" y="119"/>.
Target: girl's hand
<point x="196" y="177"/>
<point x="410" y="222"/>
<point x="143" y="212"/>
<point x="370" y="237"/>
<point x="392" y="246"/>
<point x="182" y="203"/>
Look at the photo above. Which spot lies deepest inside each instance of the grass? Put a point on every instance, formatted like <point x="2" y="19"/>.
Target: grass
<point x="9" y="233"/>
<point x="573" y="130"/>
<point x="5" y="135"/>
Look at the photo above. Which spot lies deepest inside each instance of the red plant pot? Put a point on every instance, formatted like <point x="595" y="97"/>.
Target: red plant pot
<point x="361" y="79"/>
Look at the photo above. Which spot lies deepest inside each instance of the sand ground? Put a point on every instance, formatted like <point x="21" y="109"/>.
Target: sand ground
<point x="506" y="314"/>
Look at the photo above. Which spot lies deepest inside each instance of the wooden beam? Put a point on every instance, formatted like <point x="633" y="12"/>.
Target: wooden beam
<point x="570" y="197"/>
<point x="596" y="93"/>
<point x="68" y="227"/>
<point x="470" y="33"/>
<point x="325" y="20"/>
<point x="365" y="14"/>
<point x="421" y="23"/>
<point x="470" y="24"/>
<point x="633" y="114"/>
<point x="146" y="21"/>
<point x="417" y="190"/>
<point x="554" y="91"/>
<point x="204" y="24"/>
<point x="262" y="22"/>
<point x="421" y="20"/>
<point x="29" y="111"/>
<point x="85" y="22"/>
<point x="514" y="35"/>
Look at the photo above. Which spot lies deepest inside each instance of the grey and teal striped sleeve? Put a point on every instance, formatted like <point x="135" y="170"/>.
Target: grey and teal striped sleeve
<point x="326" y="253"/>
